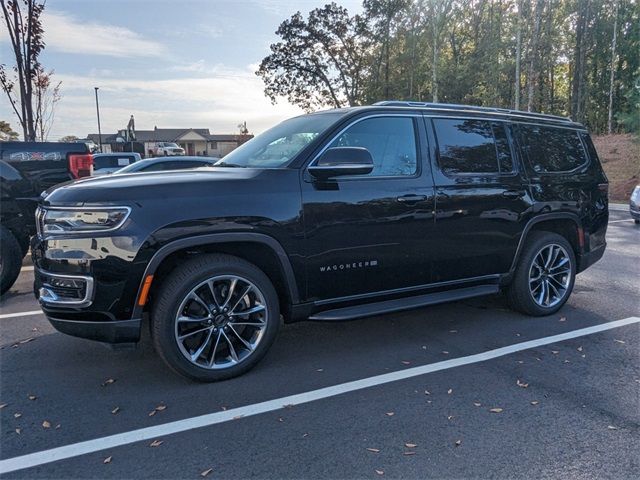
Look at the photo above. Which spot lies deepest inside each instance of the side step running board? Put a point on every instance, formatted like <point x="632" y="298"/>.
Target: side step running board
<point x="387" y="306"/>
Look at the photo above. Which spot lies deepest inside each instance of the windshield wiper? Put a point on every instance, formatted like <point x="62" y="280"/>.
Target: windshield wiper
<point x="230" y="165"/>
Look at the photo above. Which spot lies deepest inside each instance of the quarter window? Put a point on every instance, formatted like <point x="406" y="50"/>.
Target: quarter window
<point x="390" y="140"/>
<point x="552" y="149"/>
<point x="472" y="146"/>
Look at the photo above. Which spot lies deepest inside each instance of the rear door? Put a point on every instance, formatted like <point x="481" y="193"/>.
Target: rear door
<point x="371" y="233"/>
<point x="481" y="197"/>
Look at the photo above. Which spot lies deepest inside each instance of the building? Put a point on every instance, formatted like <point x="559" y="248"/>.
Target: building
<point x="195" y="141"/>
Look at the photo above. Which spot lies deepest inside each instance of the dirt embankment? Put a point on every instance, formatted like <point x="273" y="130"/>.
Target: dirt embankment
<point x="620" y="157"/>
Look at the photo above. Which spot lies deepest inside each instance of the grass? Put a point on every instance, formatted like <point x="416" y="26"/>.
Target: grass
<point x="620" y="158"/>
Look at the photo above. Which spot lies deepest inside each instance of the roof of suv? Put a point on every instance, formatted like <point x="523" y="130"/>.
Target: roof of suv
<point x="451" y="108"/>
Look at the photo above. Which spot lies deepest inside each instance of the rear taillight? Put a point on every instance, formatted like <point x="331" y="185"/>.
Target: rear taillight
<point x="81" y="165"/>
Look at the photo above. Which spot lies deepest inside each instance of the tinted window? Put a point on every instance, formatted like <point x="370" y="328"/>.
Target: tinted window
<point x="390" y="140"/>
<point x="552" y="149"/>
<point x="111" y="161"/>
<point x="472" y="146"/>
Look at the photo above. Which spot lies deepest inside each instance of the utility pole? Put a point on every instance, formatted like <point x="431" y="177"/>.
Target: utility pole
<point x="98" y="113"/>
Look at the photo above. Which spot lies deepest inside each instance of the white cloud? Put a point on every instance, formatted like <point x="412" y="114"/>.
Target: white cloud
<point x="215" y="101"/>
<point x="66" y="33"/>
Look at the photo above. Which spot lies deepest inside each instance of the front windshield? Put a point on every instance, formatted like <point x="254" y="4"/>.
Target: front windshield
<point x="277" y="146"/>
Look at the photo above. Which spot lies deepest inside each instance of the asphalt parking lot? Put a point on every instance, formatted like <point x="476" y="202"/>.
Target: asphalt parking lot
<point x="466" y="397"/>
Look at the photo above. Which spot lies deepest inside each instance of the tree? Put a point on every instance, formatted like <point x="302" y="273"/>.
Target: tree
<point x="22" y="19"/>
<point x="437" y="11"/>
<point x="612" y="68"/>
<point x="319" y="62"/>
<point x="47" y="95"/>
<point x="6" y="132"/>
<point x="68" y="139"/>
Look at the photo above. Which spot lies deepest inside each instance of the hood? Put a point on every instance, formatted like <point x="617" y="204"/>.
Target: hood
<point x="137" y="187"/>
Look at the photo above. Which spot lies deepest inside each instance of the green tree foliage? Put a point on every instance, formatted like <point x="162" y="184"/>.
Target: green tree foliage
<point x="6" y="132"/>
<point x="463" y="51"/>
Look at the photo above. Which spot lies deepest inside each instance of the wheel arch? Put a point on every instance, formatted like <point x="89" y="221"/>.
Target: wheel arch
<point x="563" y="223"/>
<point x="262" y="250"/>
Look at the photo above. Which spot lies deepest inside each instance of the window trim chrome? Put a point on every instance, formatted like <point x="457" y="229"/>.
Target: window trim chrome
<point x="86" y="301"/>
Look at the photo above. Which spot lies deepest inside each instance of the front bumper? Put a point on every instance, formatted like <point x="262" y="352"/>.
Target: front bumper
<point x="634" y="210"/>
<point x="119" y="331"/>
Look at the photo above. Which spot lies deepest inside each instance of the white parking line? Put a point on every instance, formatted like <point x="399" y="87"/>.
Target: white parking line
<point x="117" y="440"/>
<point x="625" y="220"/>
<point x="28" y="268"/>
<point x="21" y="314"/>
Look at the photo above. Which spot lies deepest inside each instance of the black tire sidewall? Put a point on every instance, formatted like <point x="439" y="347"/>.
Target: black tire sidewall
<point x="518" y="292"/>
<point x="11" y="254"/>
<point x="178" y="285"/>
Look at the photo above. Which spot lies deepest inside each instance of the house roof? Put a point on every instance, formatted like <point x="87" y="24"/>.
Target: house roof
<point x="172" y="135"/>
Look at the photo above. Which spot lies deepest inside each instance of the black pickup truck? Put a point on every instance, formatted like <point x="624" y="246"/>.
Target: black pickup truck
<point x="26" y="170"/>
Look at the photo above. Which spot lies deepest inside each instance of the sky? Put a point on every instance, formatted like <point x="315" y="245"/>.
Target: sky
<point x="170" y="63"/>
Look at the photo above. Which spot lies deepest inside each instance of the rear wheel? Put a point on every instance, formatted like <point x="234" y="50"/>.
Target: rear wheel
<point x="10" y="259"/>
<point x="545" y="275"/>
<point x="215" y="317"/>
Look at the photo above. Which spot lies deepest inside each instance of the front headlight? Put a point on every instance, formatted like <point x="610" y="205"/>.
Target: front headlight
<point x="83" y="220"/>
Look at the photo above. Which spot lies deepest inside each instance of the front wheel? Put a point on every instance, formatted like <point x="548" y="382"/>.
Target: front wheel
<point x="545" y="275"/>
<point x="10" y="259"/>
<point x="215" y="317"/>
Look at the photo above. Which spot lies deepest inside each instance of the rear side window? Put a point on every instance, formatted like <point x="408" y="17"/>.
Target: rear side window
<point x="552" y="150"/>
<point x="472" y="146"/>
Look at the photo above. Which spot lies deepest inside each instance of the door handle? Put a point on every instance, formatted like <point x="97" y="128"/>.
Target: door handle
<point x="514" y="193"/>
<point x="411" y="198"/>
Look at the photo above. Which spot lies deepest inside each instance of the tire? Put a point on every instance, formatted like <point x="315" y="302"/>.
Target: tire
<point x="551" y="285"/>
<point x="209" y="343"/>
<point x="10" y="259"/>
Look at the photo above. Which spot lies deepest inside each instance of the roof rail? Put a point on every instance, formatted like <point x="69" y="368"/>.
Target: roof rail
<point x="457" y="107"/>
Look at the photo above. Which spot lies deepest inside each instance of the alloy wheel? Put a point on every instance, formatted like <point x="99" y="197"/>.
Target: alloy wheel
<point x="550" y="275"/>
<point x="221" y="321"/>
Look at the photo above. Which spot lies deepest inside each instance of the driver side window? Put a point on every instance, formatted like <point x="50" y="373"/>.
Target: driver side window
<point x="390" y="140"/>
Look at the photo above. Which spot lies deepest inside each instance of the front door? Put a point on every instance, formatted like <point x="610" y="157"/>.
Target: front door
<point x="481" y="197"/>
<point x="370" y="233"/>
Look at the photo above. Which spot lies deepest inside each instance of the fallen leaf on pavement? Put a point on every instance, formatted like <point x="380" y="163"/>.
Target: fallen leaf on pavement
<point x="305" y="435"/>
<point x="161" y="407"/>
<point x="450" y="417"/>
<point x="320" y="370"/>
<point x="450" y="391"/>
<point x="427" y="392"/>
<point x="17" y="415"/>
<point x="404" y="362"/>
<point x="555" y="352"/>
<point x="46" y="424"/>
<point x="115" y="410"/>
<point x="108" y="381"/>
<point x="374" y="450"/>
<point x="562" y="319"/>
<point x="206" y="472"/>
<point x="18" y="431"/>
<point x="409" y="453"/>
<point x="410" y="445"/>
<point x="495" y="410"/>
<point x="2" y="405"/>
<point x="156" y="443"/>
<point x="535" y="402"/>
<point x="477" y="404"/>
<point x="380" y="472"/>
<point x="445" y="352"/>
<point x="390" y="414"/>
<point x="31" y="397"/>
<point x="580" y="348"/>
<point x="619" y="341"/>
<point x="57" y="426"/>
<point x="152" y="413"/>
<point x="458" y="443"/>
<point x="521" y="384"/>
<point x="453" y="331"/>
<point x="107" y="460"/>
<point x="281" y="419"/>
<point x="611" y="427"/>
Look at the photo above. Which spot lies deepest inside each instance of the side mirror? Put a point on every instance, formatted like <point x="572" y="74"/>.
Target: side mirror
<point x="339" y="161"/>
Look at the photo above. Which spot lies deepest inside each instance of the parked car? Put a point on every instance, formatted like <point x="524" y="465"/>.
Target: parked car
<point x="164" y="164"/>
<point x="634" y="204"/>
<point x="168" y="148"/>
<point x="330" y="216"/>
<point x="26" y="169"/>
<point x="107" y="163"/>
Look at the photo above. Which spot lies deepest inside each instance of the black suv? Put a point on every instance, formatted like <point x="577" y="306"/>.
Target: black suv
<point x="330" y="216"/>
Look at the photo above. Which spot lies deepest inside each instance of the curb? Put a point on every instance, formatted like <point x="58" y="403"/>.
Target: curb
<point x="618" y="207"/>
